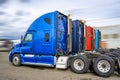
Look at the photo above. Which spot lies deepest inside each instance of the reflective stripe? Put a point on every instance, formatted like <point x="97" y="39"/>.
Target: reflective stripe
<point x="42" y="64"/>
<point x="28" y="55"/>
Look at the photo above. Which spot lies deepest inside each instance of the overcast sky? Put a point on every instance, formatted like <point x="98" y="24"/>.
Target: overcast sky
<point x="17" y="15"/>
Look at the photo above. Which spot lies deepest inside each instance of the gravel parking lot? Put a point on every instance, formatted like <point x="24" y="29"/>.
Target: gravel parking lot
<point x="10" y="72"/>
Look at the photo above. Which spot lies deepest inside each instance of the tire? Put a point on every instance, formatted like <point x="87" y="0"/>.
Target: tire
<point x="16" y="60"/>
<point x="91" y="66"/>
<point x="109" y="54"/>
<point x="104" y="66"/>
<point x="118" y="67"/>
<point x="80" y="64"/>
<point x="116" y="54"/>
<point x="118" y="70"/>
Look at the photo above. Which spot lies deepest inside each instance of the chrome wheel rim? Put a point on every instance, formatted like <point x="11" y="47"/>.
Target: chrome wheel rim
<point x="15" y="60"/>
<point x="78" y="64"/>
<point x="103" y="66"/>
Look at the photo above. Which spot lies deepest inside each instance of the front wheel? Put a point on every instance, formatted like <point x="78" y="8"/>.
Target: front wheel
<point x="16" y="60"/>
<point x="80" y="64"/>
<point x="104" y="66"/>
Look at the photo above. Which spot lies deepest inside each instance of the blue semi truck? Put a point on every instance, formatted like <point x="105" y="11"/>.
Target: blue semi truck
<point x="54" y="40"/>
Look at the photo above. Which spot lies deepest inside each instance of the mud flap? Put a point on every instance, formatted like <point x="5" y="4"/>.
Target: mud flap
<point x="118" y="66"/>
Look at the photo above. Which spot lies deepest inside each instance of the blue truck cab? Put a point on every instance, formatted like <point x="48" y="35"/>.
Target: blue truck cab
<point x="45" y="39"/>
<point x="47" y="42"/>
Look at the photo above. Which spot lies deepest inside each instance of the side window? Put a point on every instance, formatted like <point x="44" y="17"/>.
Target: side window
<point x="46" y="37"/>
<point x="47" y="20"/>
<point x="28" y="37"/>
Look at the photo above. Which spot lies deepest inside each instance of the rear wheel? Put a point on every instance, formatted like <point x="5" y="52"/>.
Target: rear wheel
<point x="104" y="66"/>
<point x="80" y="64"/>
<point x="16" y="60"/>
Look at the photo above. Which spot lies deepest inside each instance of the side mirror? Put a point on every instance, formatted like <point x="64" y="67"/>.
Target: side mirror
<point x="21" y="38"/>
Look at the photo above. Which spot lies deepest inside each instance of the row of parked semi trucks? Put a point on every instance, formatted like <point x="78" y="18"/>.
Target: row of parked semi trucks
<point x="55" y="40"/>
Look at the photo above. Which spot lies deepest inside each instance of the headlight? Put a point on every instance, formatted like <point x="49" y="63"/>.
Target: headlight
<point x="12" y="47"/>
<point x="9" y="52"/>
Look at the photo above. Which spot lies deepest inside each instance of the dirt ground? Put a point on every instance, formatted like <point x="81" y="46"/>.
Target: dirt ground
<point x="10" y="72"/>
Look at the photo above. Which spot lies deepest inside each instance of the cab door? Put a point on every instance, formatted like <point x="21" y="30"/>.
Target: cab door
<point x="27" y="48"/>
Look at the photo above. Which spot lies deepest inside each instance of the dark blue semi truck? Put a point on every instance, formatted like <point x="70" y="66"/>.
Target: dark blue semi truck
<point x="47" y="43"/>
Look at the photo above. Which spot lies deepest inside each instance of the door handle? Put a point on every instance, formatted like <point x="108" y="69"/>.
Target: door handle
<point x="24" y="44"/>
<point x="31" y="49"/>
